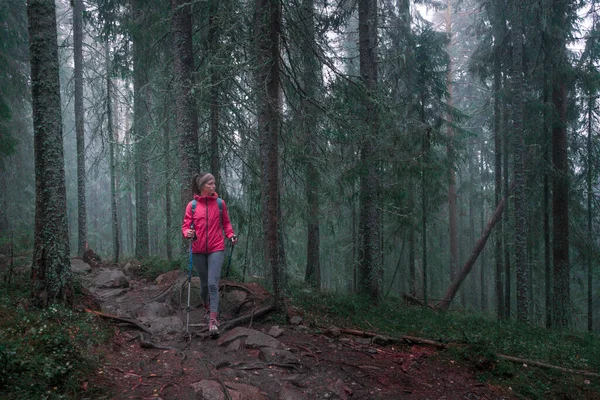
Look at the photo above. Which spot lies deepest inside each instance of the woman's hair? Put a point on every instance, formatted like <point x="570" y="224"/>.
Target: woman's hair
<point x="199" y="180"/>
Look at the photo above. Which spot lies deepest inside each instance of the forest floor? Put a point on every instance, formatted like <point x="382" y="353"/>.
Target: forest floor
<point x="267" y="357"/>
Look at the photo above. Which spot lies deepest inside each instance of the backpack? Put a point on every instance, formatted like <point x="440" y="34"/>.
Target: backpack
<point x="219" y="202"/>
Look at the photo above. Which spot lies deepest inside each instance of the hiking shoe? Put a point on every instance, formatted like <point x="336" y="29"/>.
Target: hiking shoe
<point x="213" y="323"/>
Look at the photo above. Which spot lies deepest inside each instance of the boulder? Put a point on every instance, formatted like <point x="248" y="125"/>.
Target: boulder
<point x="80" y="267"/>
<point x="110" y="279"/>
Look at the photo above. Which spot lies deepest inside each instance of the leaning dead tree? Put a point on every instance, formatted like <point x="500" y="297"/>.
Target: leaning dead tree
<point x="460" y="277"/>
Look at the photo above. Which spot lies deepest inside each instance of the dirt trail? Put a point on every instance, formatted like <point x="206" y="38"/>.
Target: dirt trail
<point x="261" y="359"/>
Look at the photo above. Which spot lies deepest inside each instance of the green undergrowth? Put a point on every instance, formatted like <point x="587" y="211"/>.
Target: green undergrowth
<point x="474" y="339"/>
<point x="152" y="267"/>
<point x="44" y="353"/>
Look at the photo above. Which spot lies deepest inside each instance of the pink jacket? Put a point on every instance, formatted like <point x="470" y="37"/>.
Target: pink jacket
<point x="209" y="235"/>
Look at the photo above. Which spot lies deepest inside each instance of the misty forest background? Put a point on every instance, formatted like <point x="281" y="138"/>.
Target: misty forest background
<point x="362" y="146"/>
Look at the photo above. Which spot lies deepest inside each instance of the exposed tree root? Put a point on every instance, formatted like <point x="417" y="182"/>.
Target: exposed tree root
<point x="246" y="318"/>
<point x="128" y="321"/>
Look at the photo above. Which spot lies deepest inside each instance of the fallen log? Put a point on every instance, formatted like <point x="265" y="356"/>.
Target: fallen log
<point x="440" y="345"/>
<point x="390" y="339"/>
<point x="544" y="365"/>
<point x="121" y="319"/>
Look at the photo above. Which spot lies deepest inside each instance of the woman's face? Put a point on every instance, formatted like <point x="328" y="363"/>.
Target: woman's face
<point x="209" y="188"/>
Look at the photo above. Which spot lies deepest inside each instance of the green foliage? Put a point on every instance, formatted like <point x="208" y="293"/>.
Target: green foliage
<point x="478" y="341"/>
<point x="44" y="354"/>
<point x="152" y="267"/>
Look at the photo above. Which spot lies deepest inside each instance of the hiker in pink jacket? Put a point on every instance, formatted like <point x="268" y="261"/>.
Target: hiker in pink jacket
<point x="208" y="228"/>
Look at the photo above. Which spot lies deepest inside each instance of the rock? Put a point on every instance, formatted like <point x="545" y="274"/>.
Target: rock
<point x="110" y="278"/>
<point x="268" y="354"/>
<point x="104" y="294"/>
<point x="165" y="325"/>
<point x="276" y="331"/>
<point x="156" y="310"/>
<point x="208" y="390"/>
<point x="232" y="301"/>
<point x="302" y="328"/>
<point x="212" y="390"/>
<point x="80" y="267"/>
<point x="240" y="391"/>
<point x="296" y="320"/>
<point x="290" y="393"/>
<point x="234" y="346"/>
<point x="253" y="338"/>
<point x="169" y="278"/>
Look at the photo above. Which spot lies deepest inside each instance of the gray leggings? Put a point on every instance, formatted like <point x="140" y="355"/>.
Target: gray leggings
<point x="209" y="270"/>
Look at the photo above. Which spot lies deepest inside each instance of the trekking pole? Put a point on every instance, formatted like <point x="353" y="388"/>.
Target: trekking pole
<point x="229" y="262"/>
<point x="187" y="324"/>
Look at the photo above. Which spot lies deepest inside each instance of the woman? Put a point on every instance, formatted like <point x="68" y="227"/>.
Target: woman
<point x="205" y="228"/>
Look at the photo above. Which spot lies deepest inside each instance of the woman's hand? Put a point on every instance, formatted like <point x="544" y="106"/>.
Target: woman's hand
<point x="190" y="234"/>
<point x="233" y="240"/>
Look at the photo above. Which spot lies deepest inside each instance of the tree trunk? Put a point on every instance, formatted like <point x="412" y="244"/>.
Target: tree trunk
<point x="452" y="213"/>
<point x="590" y="194"/>
<point x="310" y="67"/>
<point x="560" y="178"/>
<point x="370" y="267"/>
<point x="482" y="268"/>
<point x="546" y="199"/>
<point x="78" y="9"/>
<point x="519" y="169"/>
<point x="560" y="210"/>
<point x="51" y="276"/>
<point x="498" y="183"/>
<point x="140" y="129"/>
<point x="187" y="115"/>
<point x="168" y="206"/>
<point x="268" y="23"/>
<point x="112" y="141"/>
<point x="412" y="283"/>
<point x="505" y="219"/>
<point x="215" y="88"/>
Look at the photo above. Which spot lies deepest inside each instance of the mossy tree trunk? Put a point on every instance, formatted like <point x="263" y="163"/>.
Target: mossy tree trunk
<point x="51" y="276"/>
<point x="187" y="115"/>
<point x="78" y="9"/>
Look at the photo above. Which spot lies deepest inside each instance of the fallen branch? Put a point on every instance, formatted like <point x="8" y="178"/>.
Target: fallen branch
<point x="544" y="365"/>
<point x="246" y="318"/>
<point x="128" y="321"/>
<point x="390" y="339"/>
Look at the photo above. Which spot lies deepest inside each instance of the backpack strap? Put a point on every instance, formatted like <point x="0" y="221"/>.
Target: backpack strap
<point x="220" y="203"/>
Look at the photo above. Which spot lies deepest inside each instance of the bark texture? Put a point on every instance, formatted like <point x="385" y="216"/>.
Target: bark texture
<point x="370" y="263"/>
<point x="50" y="272"/>
<point x="78" y="9"/>
<point x="521" y="264"/>
<point x="267" y="36"/>
<point x="187" y="115"/>
<point x="141" y="131"/>
<point x="310" y="75"/>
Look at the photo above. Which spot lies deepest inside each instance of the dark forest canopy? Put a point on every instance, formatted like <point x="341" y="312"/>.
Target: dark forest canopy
<point x="361" y="146"/>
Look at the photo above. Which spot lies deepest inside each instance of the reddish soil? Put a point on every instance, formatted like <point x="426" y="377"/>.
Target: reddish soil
<point x="320" y="366"/>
